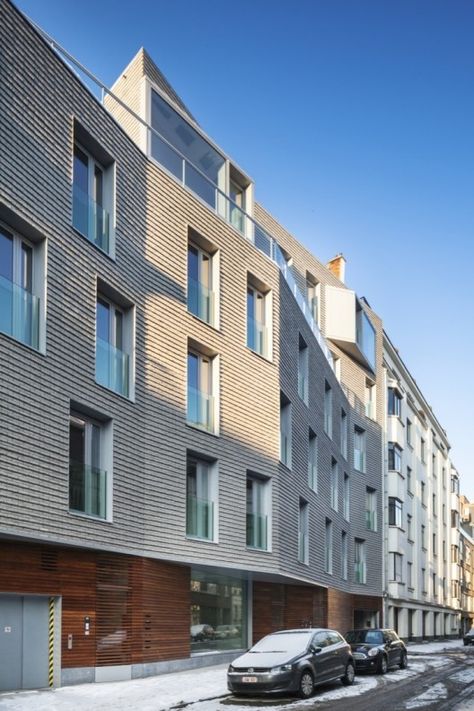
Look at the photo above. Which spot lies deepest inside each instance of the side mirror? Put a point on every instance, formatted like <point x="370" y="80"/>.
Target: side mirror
<point x="315" y="650"/>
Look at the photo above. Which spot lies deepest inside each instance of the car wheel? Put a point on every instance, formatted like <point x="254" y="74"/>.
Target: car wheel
<point x="383" y="666"/>
<point x="306" y="685"/>
<point x="349" y="674"/>
<point x="403" y="661"/>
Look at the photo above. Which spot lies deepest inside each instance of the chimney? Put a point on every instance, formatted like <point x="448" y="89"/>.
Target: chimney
<point x="337" y="265"/>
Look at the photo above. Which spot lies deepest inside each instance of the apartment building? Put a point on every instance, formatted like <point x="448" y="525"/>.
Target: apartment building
<point x="421" y="512"/>
<point x="466" y="563"/>
<point x="191" y="403"/>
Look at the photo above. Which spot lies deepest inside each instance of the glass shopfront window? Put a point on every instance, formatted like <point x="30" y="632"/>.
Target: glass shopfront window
<point x="218" y="612"/>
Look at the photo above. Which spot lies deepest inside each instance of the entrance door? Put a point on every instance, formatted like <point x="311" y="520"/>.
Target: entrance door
<point x="23" y="642"/>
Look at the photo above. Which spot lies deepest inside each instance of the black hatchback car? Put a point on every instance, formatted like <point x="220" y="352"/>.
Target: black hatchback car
<point x="377" y="650"/>
<point x="468" y="637"/>
<point x="292" y="661"/>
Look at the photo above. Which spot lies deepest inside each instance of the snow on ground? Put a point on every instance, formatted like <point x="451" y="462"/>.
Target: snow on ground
<point x="435" y="693"/>
<point x="448" y="645"/>
<point x="465" y="676"/>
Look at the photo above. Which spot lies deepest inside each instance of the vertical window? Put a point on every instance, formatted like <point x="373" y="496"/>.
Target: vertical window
<point x="394" y="402"/>
<point x="334" y="485"/>
<point x="360" y="571"/>
<point x="394" y="457"/>
<point x="409" y="528"/>
<point x="201" y="287"/>
<point x="423" y="580"/>
<point x="92" y="198"/>
<point x="396" y="567"/>
<point x="435" y="592"/>
<point x="303" y="533"/>
<point x="258" y="320"/>
<point x="433" y="466"/>
<point x="423" y="539"/>
<point x="87" y="476"/>
<point x="371" y="509"/>
<point x="435" y="547"/>
<point x="434" y="506"/>
<point x="422" y="449"/>
<point x="409" y="432"/>
<point x="359" y="449"/>
<point x="201" y="494"/>
<point x="344" y="555"/>
<point x="328" y="409"/>
<point x="343" y="434"/>
<point x="313" y="294"/>
<point x="370" y="399"/>
<point x="410" y="575"/>
<point x="113" y="346"/>
<point x="258" y="512"/>
<point x="409" y="482"/>
<point x="313" y="461"/>
<point x="303" y="370"/>
<point x="395" y="512"/>
<point x="285" y="431"/>
<point x="346" y="494"/>
<point x="423" y="493"/>
<point x="19" y="289"/>
<point x="328" y="547"/>
<point x="201" y="408"/>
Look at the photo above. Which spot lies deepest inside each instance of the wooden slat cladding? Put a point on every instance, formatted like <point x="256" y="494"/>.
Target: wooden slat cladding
<point x="113" y="610"/>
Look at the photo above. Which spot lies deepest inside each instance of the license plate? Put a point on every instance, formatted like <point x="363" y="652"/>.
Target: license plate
<point x="249" y="679"/>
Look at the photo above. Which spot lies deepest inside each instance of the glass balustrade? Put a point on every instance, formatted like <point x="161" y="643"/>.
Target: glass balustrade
<point x="257" y="531"/>
<point x="200" y="409"/>
<point x="303" y="548"/>
<point x="90" y="219"/>
<point x="200" y="518"/>
<point x="87" y="489"/>
<point x="112" y="368"/>
<point x="19" y="313"/>
<point x="201" y="300"/>
<point x="257" y="338"/>
<point x="303" y="386"/>
<point x="370" y="518"/>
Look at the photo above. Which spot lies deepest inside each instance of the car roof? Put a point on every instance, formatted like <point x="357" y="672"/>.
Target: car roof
<point x="303" y="630"/>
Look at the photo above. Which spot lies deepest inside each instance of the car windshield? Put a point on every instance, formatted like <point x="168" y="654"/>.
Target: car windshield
<point x="292" y="642"/>
<point x="364" y="637"/>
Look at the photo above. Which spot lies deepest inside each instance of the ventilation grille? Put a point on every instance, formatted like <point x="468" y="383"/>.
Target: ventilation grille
<point x="49" y="560"/>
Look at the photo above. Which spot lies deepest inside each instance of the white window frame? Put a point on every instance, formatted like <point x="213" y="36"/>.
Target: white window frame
<point x="344" y="555"/>
<point x="303" y="372"/>
<point x="360" y="448"/>
<point x="346" y="495"/>
<point x="212" y="473"/>
<point x="266" y="296"/>
<point x="265" y="508"/>
<point x="344" y="433"/>
<point x="213" y="361"/>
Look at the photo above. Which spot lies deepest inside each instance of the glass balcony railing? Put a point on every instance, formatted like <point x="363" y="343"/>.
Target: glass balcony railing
<point x="200" y="518"/>
<point x="313" y="476"/>
<point x="257" y="336"/>
<point x="257" y="531"/>
<point x="19" y="313"/>
<point x="303" y="548"/>
<point x="359" y="572"/>
<point x="285" y="449"/>
<point x="200" y="411"/>
<point x="112" y="368"/>
<point x="201" y="301"/>
<point x="87" y="489"/>
<point x="371" y="520"/>
<point x="90" y="219"/>
<point x="365" y="336"/>
<point x="303" y="386"/>
<point x="359" y="460"/>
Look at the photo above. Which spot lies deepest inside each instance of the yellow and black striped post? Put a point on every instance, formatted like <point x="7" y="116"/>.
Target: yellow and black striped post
<point x="51" y="643"/>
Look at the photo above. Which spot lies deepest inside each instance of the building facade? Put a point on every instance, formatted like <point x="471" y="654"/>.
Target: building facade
<point x="421" y="512"/>
<point x="466" y="564"/>
<point x="192" y="404"/>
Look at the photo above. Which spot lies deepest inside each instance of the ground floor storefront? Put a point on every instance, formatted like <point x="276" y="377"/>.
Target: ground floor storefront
<point x="414" y="621"/>
<point x="70" y="615"/>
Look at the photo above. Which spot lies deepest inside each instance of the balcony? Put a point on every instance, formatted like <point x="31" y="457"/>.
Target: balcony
<point x="303" y="549"/>
<point x="201" y="301"/>
<point x="257" y="336"/>
<point x="87" y="490"/>
<point x="19" y="313"/>
<point x="90" y="219"/>
<point x="359" y="573"/>
<point x="348" y="325"/>
<point x="257" y="532"/>
<point x="112" y="369"/>
<point x="200" y="518"/>
<point x="200" y="411"/>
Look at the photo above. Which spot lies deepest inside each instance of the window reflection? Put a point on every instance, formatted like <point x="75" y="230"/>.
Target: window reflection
<point x="218" y="612"/>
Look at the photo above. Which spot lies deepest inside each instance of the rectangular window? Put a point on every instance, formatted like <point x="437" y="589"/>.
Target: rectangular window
<point x="285" y="431"/>
<point x="346" y="497"/>
<point x="21" y="288"/>
<point x="395" y="512"/>
<point x="313" y="293"/>
<point x="258" y="320"/>
<point x="371" y="509"/>
<point x="303" y="370"/>
<point x="394" y="402"/>
<point x="423" y="538"/>
<point x="370" y="401"/>
<point x="360" y="571"/>
<point x="114" y="343"/>
<point x="359" y="449"/>
<point x="409" y="527"/>
<point x="396" y="567"/>
<point x="328" y="546"/>
<point x="434" y="469"/>
<point x="344" y="555"/>
<point x="454" y="518"/>
<point x="423" y="493"/>
<point x="435" y="547"/>
<point x="422" y="449"/>
<point x="434" y="506"/>
<point x="87" y="475"/>
<point x="201" y="407"/>
<point x="343" y="434"/>
<point x="409" y="482"/>
<point x="423" y="581"/>
<point x="328" y="409"/>
<point x="394" y="457"/>
<point x="303" y="533"/>
<point x="201" y="494"/>
<point x="258" y="512"/>
<point x="435" y="591"/>
<point x="313" y="461"/>
<point x="93" y="194"/>
<point x="334" y="485"/>
<point x="201" y="284"/>
<point x="410" y="575"/>
<point x="409" y="432"/>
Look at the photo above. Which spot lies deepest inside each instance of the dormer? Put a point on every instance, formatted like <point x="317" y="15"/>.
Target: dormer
<point x="348" y="325"/>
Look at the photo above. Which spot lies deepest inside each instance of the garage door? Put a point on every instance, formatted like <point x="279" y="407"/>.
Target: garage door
<point x="23" y="642"/>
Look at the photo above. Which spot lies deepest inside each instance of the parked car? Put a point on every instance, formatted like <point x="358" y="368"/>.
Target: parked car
<point x="468" y="637"/>
<point x="201" y="633"/>
<point x="377" y="650"/>
<point x="292" y="661"/>
<point x="227" y="631"/>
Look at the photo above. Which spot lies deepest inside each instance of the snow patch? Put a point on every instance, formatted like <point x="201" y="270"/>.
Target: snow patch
<point x="438" y="691"/>
<point x="465" y="676"/>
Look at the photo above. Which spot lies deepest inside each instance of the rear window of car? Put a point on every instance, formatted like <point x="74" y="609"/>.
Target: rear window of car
<point x="364" y="637"/>
<point x="291" y="642"/>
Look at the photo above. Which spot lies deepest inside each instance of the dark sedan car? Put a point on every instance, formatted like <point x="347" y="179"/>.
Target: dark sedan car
<point x="292" y="661"/>
<point x="377" y="650"/>
<point x="468" y="637"/>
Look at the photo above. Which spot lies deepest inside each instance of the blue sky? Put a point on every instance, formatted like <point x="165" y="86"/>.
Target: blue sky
<point x="355" y="118"/>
